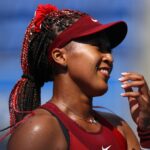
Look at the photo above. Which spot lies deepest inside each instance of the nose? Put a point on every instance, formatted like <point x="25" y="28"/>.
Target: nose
<point x="107" y="58"/>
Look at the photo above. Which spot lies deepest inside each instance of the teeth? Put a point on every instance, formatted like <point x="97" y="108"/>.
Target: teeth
<point x="104" y="71"/>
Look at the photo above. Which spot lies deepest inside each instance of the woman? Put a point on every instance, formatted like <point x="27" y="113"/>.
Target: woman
<point x="73" y="50"/>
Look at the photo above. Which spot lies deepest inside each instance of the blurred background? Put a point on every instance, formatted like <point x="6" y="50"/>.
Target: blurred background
<point x="131" y="55"/>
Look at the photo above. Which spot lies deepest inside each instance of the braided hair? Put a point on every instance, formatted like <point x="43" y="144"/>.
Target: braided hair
<point x="37" y="68"/>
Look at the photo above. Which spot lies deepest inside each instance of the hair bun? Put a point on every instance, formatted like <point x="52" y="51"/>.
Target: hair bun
<point x="40" y="14"/>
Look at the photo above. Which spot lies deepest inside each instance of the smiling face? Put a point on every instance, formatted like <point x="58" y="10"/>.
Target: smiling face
<point x="89" y="65"/>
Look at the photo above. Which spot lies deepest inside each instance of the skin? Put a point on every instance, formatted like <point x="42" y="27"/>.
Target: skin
<point x="139" y="100"/>
<point x="73" y="92"/>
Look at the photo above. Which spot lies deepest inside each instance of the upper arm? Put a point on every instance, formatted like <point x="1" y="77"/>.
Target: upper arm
<point x="131" y="138"/>
<point x="37" y="133"/>
<point x="124" y="129"/>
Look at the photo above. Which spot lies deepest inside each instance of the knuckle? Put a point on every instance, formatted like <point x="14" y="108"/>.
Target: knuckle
<point x="138" y="94"/>
<point x="143" y="82"/>
<point x="141" y="77"/>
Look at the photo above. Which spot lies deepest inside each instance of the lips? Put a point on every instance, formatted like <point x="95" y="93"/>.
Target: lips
<point x="105" y="71"/>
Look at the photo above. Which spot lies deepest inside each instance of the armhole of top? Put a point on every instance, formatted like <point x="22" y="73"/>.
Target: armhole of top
<point x="64" y="129"/>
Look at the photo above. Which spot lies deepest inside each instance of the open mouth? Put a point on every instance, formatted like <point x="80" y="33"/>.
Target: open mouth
<point x="105" y="71"/>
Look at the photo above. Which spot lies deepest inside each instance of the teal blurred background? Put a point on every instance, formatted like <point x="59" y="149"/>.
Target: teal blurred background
<point x="131" y="55"/>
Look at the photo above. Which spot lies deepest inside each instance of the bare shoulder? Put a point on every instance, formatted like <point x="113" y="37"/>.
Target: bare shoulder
<point x="112" y="118"/>
<point x="38" y="132"/>
<point x="123" y="127"/>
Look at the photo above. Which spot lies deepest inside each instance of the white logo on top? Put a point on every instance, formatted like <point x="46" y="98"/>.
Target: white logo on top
<point x="94" y="20"/>
<point x="106" y="148"/>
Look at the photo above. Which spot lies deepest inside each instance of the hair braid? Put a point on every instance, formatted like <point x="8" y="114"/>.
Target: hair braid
<point x="25" y="95"/>
<point x="36" y="67"/>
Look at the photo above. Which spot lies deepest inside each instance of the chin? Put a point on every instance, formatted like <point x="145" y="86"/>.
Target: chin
<point x="101" y="91"/>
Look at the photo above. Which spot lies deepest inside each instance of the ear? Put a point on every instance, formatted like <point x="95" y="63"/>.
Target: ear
<point x="59" y="55"/>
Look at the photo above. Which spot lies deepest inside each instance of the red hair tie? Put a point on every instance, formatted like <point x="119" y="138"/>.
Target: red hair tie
<point x="40" y="14"/>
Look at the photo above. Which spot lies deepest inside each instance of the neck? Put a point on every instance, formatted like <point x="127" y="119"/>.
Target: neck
<point x="70" y="99"/>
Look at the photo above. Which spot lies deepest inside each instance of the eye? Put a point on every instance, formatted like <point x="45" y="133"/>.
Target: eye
<point x="107" y="51"/>
<point x="104" y="50"/>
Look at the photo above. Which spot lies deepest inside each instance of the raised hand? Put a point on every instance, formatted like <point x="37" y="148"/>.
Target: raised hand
<point x="137" y="91"/>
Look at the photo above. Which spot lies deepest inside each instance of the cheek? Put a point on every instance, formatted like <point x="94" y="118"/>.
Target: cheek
<point x="86" y="77"/>
<point x="82" y="70"/>
<point x="82" y="67"/>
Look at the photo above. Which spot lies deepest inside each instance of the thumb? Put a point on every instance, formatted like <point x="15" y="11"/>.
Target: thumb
<point x="134" y="105"/>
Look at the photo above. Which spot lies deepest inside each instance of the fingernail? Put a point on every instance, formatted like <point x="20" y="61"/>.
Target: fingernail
<point x="122" y="94"/>
<point x="124" y="73"/>
<point x="123" y="85"/>
<point x="121" y="79"/>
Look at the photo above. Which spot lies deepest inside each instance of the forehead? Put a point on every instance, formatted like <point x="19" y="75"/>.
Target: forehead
<point x="99" y="39"/>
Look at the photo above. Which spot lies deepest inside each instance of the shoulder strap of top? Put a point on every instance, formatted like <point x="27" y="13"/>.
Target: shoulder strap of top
<point x="69" y="124"/>
<point x="120" y="138"/>
<point x="64" y="129"/>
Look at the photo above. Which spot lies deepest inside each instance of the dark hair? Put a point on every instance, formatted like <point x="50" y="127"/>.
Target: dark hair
<point x="36" y="67"/>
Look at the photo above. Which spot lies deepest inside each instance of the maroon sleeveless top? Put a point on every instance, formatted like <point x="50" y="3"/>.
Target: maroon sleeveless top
<point x="108" y="138"/>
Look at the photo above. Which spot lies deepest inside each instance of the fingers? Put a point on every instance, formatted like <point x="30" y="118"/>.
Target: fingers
<point x="134" y="109"/>
<point x="138" y="94"/>
<point x="131" y="94"/>
<point x="132" y="80"/>
<point x="132" y="76"/>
